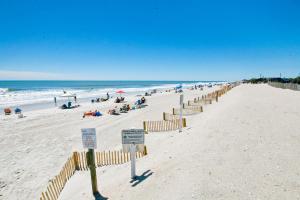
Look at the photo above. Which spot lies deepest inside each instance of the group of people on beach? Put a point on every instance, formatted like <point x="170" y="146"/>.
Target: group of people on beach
<point x="127" y="107"/>
<point x="117" y="110"/>
<point x="98" y="100"/>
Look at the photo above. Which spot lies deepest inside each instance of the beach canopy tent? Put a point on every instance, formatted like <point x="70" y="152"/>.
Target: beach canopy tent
<point x="68" y="95"/>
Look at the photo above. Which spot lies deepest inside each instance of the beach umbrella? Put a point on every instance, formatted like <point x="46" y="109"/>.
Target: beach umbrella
<point x="179" y="86"/>
<point x="120" y="92"/>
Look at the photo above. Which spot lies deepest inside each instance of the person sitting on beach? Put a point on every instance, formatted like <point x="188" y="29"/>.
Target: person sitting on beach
<point x="125" y="108"/>
<point x="97" y="113"/>
<point x="138" y="102"/>
<point x="64" y="106"/>
<point x="113" y="111"/>
<point x="143" y="100"/>
<point x="90" y="113"/>
<point x="117" y="100"/>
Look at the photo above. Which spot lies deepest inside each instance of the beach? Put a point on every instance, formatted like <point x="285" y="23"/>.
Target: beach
<point x="246" y="146"/>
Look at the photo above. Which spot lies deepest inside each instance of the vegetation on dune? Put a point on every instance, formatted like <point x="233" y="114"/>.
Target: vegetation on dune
<point x="280" y="80"/>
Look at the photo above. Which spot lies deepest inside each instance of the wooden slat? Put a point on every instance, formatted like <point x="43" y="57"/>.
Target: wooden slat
<point x="43" y="195"/>
<point x="60" y="185"/>
<point x="55" y="191"/>
<point x="46" y="193"/>
<point x="51" y="192"/>
<point x="118" y="157"/>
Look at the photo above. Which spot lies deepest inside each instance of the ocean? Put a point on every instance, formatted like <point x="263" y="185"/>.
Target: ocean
<point x="21" y="93"/>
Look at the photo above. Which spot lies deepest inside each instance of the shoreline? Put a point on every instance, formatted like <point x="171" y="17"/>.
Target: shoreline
<point x="34" y="98"/>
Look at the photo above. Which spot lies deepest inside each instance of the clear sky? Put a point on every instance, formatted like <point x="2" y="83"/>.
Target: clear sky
<point x="153" y="40"/>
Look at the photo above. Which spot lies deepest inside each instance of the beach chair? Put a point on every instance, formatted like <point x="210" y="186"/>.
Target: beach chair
<point x="7" y="111"/>
<point x="18" y="111"/>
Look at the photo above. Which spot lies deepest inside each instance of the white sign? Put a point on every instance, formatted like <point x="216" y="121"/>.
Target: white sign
<point x="89" y="139"/>
<point x="133" y="136"/>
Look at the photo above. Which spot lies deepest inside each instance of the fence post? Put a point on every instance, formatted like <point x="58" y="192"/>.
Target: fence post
<point x="75" y="158"/>
<point x="145" y="127"/>
<point x="91" y="164"/>
<point x="217" y="96"/>
<point x="184" y="122"/>
<point x="164" y="116"/>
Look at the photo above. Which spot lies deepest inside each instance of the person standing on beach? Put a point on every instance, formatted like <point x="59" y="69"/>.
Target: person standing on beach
<point x="107" y="96"/>
<point x="55" y="101"/>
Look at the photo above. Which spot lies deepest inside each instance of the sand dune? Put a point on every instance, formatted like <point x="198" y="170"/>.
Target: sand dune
<point x="244" y="147"/>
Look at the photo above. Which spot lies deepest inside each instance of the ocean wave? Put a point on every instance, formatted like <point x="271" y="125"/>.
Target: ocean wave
<point x="24" y="97"/>
<point x="3" y="90"/>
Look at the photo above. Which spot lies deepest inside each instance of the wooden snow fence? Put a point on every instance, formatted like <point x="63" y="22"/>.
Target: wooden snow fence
<point x="196" y="103"/>
<point x="191" y="110"/>
<point x="169" y="116"/>
<point x="78" y="162"/>
<point x="196" y="108"/>
<point x="163" y="125"/>
<point x="200" y="101"/>
<point x="291" y="86"/>
<point x="218" y="93"/>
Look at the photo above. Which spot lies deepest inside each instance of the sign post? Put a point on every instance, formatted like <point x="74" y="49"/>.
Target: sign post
<point x="132" y="137"/>
<point x="89" y="141"/>
<point x="180" y="114"/>
<point x="132" y="158"/>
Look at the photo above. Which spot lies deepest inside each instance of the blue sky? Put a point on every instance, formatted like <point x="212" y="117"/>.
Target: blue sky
<point x="153" y="40"/>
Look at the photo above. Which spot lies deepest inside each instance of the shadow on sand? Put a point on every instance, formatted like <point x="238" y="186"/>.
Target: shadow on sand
<point x="98" y="196"/>
<point x="138" y="179"/>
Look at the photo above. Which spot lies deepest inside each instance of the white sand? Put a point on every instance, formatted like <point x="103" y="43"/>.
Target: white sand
<point x="247" y="146"/>
<point x="34" y="149"/>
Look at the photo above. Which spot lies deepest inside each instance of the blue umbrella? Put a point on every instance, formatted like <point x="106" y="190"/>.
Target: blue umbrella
<point x="179" y="86"/>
